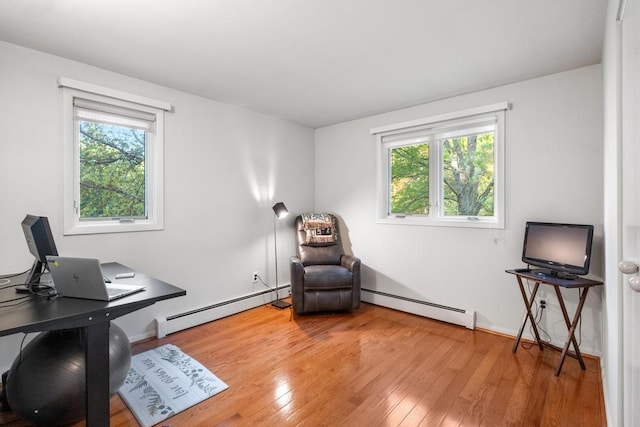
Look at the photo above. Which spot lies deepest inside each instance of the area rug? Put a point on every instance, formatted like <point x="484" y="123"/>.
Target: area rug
<point x="164" y="381"/>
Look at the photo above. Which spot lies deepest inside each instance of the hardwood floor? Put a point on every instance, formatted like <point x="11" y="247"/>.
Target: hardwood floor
<point x="376" y="367"/>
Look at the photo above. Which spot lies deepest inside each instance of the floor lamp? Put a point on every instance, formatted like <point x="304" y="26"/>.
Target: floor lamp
<point x="280" y="211"/>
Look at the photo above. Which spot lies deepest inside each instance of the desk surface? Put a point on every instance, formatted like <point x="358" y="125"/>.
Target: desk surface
<point x="41" y="314"/>
<point x="577" y="282"/>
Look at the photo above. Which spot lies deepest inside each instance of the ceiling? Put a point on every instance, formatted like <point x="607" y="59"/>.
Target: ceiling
<point x="316" y="62"/>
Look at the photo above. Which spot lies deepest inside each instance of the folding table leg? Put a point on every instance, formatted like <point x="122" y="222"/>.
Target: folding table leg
<point x="528" y="302"/>
<point x="571" y="327"/>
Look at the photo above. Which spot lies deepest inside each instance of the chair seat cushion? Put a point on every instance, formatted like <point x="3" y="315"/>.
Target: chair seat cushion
<point x="327" y="277"/>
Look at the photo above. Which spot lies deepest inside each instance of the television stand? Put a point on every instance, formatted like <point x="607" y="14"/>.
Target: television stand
<point x="551" y="274"/>
<point x="572" y="324"/>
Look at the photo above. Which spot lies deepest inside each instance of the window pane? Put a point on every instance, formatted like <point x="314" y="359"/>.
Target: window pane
<point x="468" y="175"/>
<point x="410" y="179"/>
<point x="112" y="171"/>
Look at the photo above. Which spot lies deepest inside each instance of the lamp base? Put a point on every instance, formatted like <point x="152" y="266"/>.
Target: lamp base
<point x="281" y="304"/>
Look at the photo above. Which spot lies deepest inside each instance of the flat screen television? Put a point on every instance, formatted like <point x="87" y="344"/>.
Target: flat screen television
<point x="561" y="250"/>
<point x="40" y="242"/>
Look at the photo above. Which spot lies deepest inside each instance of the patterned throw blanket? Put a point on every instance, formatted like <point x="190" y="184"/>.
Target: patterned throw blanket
<point x="320" y="228"/>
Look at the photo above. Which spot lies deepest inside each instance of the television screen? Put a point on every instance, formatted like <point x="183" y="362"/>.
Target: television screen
<point x="562" y="249"/>
<point x="40" y="241"/>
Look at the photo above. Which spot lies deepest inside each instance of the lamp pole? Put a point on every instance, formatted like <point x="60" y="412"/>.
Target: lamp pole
<point x="280" y="211"/>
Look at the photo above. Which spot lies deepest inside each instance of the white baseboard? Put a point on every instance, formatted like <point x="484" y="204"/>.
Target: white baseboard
<point x="177" y="322"/>
<point x="453" y="315"/>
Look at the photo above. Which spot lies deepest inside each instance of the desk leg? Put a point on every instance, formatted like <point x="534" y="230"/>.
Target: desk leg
<point x="97" y="374"/>
<point x="571" y="326"/>
<point x="528" y="315"/>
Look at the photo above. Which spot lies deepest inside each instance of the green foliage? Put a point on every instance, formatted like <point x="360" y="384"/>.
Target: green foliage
<point x="468" y="175"/>
<point x="468" y="167"/>
<point x="112" y="171"/>
<point x="410" y="179"/>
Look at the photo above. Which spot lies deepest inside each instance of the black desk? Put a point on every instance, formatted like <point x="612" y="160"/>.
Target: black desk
<point x="557" y="283"/>
<point x="41" y="314"/>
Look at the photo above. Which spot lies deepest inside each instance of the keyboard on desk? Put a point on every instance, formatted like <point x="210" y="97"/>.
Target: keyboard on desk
<point x="115" y="291"/>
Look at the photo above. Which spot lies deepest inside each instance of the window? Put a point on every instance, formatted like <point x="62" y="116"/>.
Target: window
<point x="445" y="170"/>
<point x="113" y="160"/>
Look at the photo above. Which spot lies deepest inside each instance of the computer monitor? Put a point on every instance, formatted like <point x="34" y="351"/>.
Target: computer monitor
<point x="40" y="242"/>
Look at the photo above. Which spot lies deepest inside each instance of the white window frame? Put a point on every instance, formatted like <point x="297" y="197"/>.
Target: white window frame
<point x="416" y="131"/>
<point x="154" y="160"/>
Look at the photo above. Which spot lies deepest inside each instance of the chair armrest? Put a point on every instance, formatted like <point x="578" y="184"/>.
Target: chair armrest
<point x="353" y="264"/>
<point x="297" y="283"/>
<point x="350" y="262"/>
<point x="297" y="270"/>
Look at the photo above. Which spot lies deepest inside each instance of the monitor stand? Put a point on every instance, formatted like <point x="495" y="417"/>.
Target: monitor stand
<point x="33" y="285"/>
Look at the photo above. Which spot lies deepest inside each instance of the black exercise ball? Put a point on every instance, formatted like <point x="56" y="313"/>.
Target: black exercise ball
<point x="46" y="383"/>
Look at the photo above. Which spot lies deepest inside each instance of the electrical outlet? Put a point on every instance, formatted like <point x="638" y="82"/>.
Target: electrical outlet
<point x="254" y="276"/>
<point x="543" y="304"/>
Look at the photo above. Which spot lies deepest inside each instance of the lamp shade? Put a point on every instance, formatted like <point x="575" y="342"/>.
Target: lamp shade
<point x="280" y="210"/>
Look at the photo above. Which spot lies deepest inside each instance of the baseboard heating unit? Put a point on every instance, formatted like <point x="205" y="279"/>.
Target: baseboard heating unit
<point x="188" y="319"/>
<point x="457" y="316"/>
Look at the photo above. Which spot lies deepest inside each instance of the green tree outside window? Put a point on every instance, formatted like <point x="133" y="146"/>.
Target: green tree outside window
<point x="467" y="175"/>
<point x="112" y="171"/>
<point x="410" y="180"/>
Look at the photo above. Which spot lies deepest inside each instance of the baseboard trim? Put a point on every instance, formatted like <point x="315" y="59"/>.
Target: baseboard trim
<point x="457" y="316"/>
<point x="188" y="319"/>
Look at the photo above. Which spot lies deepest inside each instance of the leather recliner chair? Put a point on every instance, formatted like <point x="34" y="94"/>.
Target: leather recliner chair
<point x="323" y="277"/>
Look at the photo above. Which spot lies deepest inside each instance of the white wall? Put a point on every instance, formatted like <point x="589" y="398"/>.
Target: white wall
<point x="553" y="173"/>
<point x="224" y="169"/>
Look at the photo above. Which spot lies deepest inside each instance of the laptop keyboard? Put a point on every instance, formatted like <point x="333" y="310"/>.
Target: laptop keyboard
<point x="114" y="290"/>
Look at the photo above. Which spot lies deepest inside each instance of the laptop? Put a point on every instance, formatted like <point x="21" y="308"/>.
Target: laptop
<point x="83" y="278"/>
